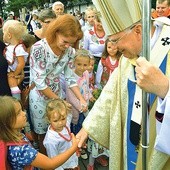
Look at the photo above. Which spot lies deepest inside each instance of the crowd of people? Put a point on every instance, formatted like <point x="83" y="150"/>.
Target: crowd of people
<point x="71" y="89"/>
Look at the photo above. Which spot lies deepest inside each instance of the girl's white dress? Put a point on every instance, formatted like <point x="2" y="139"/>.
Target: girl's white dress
<point x="55" y="145"/>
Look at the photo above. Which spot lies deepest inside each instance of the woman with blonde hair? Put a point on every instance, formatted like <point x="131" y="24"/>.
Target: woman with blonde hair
<point x="94" y="39"/>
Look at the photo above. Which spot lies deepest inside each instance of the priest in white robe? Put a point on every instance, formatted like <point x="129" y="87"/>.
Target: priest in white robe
<point x="115" y="120"/>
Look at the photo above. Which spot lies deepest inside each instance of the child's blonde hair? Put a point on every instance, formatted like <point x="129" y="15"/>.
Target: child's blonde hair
<point x="8" y="118"/>
<point x="82" y="53"/>
<point x="59" y="106"/>
<point x="89" y="9"/>
<point x="16" y="28"/>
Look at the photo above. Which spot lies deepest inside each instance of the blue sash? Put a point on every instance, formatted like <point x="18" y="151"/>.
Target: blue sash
<point x="133" y="129"/>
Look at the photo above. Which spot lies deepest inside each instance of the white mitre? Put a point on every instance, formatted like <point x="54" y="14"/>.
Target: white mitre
<point x="118" y="15"/>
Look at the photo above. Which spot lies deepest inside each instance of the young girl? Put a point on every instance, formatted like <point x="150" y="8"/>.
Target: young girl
<point x="81" y="65"/>
<point x="12" y="120"/>
<point x="107" y="64"/>
<point x="58" y="137"/>
<point x="15" y="54"/>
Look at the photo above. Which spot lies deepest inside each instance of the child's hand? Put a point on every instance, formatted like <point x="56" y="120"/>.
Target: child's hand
<point x="84" y="107"/>
<point x="92" y="99"/>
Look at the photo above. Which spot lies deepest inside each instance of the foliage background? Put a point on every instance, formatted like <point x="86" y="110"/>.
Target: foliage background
<point x="16" y="5"/>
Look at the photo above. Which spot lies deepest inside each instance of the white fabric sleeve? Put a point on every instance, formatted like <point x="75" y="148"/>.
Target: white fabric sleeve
<point x="162" y="142"/>
<point x="86" y="40"/>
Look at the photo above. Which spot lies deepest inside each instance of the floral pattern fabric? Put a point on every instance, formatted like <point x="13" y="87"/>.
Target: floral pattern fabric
<point x="93" y="43"/>
<point x="21" y="156"/>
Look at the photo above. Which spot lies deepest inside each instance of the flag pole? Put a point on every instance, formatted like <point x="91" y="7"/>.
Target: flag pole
<point x="146" y="27"/>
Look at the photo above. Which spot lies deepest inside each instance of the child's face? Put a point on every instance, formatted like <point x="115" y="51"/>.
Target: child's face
<point x="91" y="65"/>
<point x="21" y="118"/>
<point x="111" y="49"/>
<point x="90" y="17"/>
<point x="81" y="65"/>
<point x="58" y="121"/>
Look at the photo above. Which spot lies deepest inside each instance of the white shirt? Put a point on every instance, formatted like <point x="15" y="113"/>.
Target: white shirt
<point x="55" y="145"/>
<point x="19" y="51"/>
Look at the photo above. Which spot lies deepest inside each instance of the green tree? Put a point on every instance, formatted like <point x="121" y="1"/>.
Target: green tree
<point x="16" y="5"/>
<point x="2" y="4"/>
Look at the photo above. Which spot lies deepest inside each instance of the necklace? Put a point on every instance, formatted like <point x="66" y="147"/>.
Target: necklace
<point x="67" y="139"/>
<point x="99" y="34"/>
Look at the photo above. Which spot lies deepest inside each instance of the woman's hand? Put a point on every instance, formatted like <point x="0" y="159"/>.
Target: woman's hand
<point x="68" y="105"/>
